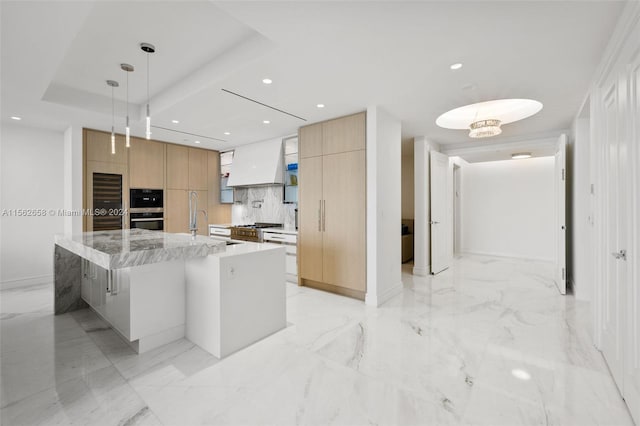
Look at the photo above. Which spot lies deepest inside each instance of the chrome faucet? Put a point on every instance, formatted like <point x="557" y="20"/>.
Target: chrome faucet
<point x="193" y="214"/>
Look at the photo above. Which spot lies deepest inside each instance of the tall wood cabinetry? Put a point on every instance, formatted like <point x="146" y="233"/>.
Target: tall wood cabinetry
<point x="146" y="164"/>
<point x="186" y="171"/>
<point x="149" y="164"/>
<point x="332" y="208"/>
<point x="101" y="171"/>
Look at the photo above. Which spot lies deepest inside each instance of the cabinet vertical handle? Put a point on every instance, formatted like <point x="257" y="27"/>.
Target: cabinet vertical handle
<point x="324" y="215"/>
<point x="320" y="216"/>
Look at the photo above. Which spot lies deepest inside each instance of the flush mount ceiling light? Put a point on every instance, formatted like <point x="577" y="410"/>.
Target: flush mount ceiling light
<point x="113" y="85"/>
<point x="196" y="141"/>
<point x="267" y="81"/>
<point x="16" y="118"/>
<point x="320" y="105"/>
<point x="127" y="130"/>
<point x="484" y="119"/>
<point x="266" y="121"/>
<point x="148" y="48"/>
<point x="175" y="121"/>
<point x="456" y="66"/>
<point x="227" y="133"/>
<point x="521" y="155"/>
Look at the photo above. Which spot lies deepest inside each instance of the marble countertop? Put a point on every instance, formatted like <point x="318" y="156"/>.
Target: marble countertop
<point x="246" y="247"/>
<point x="134" y="247"/>
<point x="220" y="225"/>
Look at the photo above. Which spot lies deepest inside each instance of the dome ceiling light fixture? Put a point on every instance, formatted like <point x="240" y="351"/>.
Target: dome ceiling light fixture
<point x="484" y="119"/>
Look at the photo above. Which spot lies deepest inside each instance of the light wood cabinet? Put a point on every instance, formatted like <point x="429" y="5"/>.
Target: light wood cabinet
<point x="176" y="210"/>
<point x="344" y="211"/>
<point x="203" y="219"/>
<point x="157" y="165"/>
<point x="98" y="147"/>
<point x="344" y="134"/>
<point x="309" y="219"/>
<point x="177" y="167"/>
<point x="332" y="209"/>
<point x="310" y="141"/>
<point x="197" y="169"/>
<point x="146" y="164"/>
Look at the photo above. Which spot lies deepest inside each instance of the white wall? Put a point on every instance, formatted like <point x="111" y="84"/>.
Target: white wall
<point x="32" y="178"/>
<point x="508" y="208"/>
<point x="384" y="257"/>
<point x="580" y="222"/>
<point x="407" y="186"/>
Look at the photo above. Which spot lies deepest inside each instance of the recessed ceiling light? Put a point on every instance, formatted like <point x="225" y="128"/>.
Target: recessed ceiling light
<point x="266" y="121"/>
<point x="196" y="141"/>
<point x="521" y="155"/>
<point x="456" y="66"/>
<point x="320" y="105"/>
<point x="520" y="374"/>
<point x="175" y="121"/>
<point x="267" y="81"/>
<point x="227" y="133"/>
<point x="16" y="118"/>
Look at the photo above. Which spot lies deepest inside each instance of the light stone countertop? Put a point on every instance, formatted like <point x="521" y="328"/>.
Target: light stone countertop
<point x="134" y="247"/>
<point x="281" y="230"/>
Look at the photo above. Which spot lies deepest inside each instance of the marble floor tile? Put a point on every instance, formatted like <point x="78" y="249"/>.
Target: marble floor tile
<point x="487" y="342"/>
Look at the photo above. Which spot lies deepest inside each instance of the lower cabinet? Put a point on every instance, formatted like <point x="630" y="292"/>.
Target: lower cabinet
<point x="145" y="304"/>
<point x="290" y="242"/>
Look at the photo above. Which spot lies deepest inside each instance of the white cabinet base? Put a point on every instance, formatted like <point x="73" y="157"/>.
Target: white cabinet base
<point x="234" y="301"/>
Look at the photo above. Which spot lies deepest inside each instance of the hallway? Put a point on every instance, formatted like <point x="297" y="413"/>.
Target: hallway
<point x="487" y="342"/>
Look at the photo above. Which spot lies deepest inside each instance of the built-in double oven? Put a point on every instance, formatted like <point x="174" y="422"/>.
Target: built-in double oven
<point x="146" y="209"/>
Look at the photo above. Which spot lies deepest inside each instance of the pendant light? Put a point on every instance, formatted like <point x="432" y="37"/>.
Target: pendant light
<point x="127" y="130"/>
<point x="113" y="84"/>
<point x="148" y="48"/>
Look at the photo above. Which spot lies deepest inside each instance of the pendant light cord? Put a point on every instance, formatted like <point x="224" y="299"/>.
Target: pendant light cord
<point x="113" y="114"/>
<point x="147" y="82"/>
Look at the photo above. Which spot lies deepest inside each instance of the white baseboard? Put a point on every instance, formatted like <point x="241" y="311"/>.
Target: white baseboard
<point x="506" y="255"/>
<point x="422" y="272"/>
<point x="23" y="282"/>
<point x="377" y="300"/>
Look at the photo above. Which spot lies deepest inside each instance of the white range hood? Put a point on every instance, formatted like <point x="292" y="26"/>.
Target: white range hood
<point x="258" y="163"/>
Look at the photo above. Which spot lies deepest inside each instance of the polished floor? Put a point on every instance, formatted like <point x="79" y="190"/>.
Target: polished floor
<point x="487" y="342"/>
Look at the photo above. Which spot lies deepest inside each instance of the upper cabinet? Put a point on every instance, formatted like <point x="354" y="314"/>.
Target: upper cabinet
<point x="310" y="138"/>
<point x="197" y="169"/>
<point x="177" y="167"/>
<point x="98" y="146"/>
<point x="342" y="134"/>
<point x="146" y="164"/>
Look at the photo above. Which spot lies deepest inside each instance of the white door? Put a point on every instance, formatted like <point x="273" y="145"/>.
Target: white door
<point x="441" y="237"/>
<point x="613" y="313"/>
<point x="632" y="350"/>
<point x="561" y="226"/>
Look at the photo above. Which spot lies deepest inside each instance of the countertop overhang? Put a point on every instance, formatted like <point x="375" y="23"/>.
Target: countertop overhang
<point x="135" y="247"/>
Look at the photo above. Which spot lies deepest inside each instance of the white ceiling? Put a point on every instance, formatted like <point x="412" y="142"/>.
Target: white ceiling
<point x="56" y="57"/>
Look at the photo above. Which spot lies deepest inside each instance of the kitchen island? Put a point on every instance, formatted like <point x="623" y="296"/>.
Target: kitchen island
<point x="143" y="282"/>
